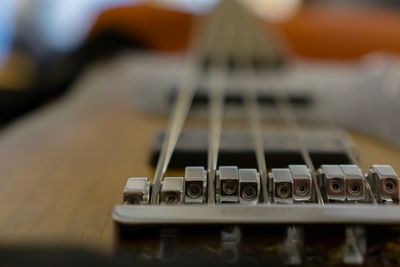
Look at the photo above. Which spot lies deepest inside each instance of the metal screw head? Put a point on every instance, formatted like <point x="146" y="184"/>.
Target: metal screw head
<point x="354" y="189"/>
<point x="248" y="193"/>
<point x="302" y="189"/>
<point x="229" y="187"/>
<point x="133" y="200"/>
<point x="194" y="190"/>
<point x="283" y="190"/>
<point x="170" y="198"/>
<point x="336" y="185"/>
<point x="389" y="185"/>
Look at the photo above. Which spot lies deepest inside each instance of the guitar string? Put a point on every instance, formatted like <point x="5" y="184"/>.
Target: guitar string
<point x="284" y="109"/>
<point x="251" y="104"/>
<point x="216" y="92"/>
<point x="331" y="125"/>
<point x="334" y="128"/>
<point x="350" y="231"/>
<point x="254" y="119"/>
<point x="186" y="91"/>
<point x="216" y="109"/>
<point x="185" y="96"/>
<point x="216" y="99"/>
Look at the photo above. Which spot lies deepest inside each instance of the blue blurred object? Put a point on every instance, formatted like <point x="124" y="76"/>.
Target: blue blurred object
<point x="63" y="25"/>
<point x="7" y="26"/>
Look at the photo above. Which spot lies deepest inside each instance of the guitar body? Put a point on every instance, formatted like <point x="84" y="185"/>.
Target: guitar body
<point x="66" y="164"/>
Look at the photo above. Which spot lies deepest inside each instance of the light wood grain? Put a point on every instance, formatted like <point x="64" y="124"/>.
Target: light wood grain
<point x="63" y="168"/>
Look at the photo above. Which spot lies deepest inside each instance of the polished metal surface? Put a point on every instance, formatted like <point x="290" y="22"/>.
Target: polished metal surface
<point x="303" y="185"/>
<point x="355" y="183"/>
<point x="291" y="119"/>
<point x="296" y="197"/>
<point x="249" y="186"/>
<point x="258" y="214"/>
<point x="230" y="242"/>
<point x="334" y="182"/>
<point x="195" y="185"/>
<point x="282" y="185"/>
<point x="384" y="182"/>
<point x="291" y="249"/>
<point x="137" y="190"/>
<point x="172" y="189"/>
<point x="355" y="245"/>
<point x="228" y="184"/>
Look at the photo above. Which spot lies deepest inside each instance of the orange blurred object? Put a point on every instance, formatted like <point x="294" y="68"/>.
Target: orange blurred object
<point x="158" y="28"/>
<point x="342" y="33"/>
<point x="314" y="32"/>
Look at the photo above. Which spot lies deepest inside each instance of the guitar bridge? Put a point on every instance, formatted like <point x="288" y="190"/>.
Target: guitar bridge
<point x="290" y="223"/>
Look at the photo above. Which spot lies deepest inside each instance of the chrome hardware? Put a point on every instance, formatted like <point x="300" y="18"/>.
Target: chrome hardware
<point x="355" y="183"/>
<point x="137" y="191"/>
<point x="384" y="182"/>
<point x="355" y="246"/>
<point x="171" y="192"/>
<point x="302" y="182"/>
<point x="230" y="240"/>
<point x="291" y="249"/>
<point x="228" y="179"/>
<point x="168" y="244"/>
<point x="282" y="185"/>
<point x="334" y="182"/>
<point x="249" y="186"/>
<point x="195" y="185"/>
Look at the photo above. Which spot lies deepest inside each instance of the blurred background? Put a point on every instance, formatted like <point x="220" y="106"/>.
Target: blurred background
<point x="46" y="44"/>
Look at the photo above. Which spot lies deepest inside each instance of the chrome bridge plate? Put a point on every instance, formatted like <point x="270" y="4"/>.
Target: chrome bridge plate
<point x="360" y="214"/>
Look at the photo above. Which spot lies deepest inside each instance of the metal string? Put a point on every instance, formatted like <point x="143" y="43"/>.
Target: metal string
<point x="216" y="94"/>
<point x="187" y="88"/>
<point x="264" y="48"/>
<point x="250" y="100"/>
<point x="325" y="117"/>
<point x="291" y="120"/>
<point x="201" y="42"/>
